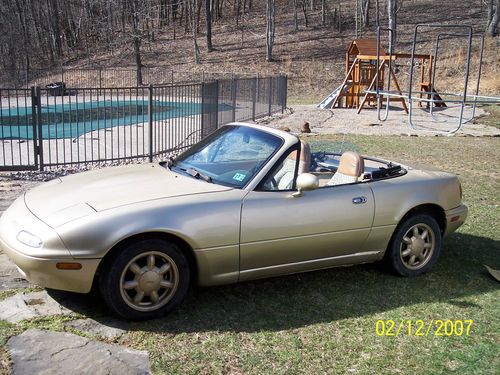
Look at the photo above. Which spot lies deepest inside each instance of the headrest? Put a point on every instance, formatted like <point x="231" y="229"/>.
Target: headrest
<point x="351" y="164"/>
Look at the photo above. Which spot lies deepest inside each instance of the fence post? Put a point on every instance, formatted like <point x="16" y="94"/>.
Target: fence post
<point x="233" y="98"/>
<point x="62" y="73"/>
<point x="150" y="121"/>
<point x="39" y="140"/>
<point x="254" y="98"/>
<point x="100" y="77"/>
<point x="284" y="89"/>
<point x="270" y="79"/>
<point x="202" y="108"/>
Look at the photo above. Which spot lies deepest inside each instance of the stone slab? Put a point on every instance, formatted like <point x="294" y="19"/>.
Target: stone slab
<point x="108" y="328"/>
<point x="30" y="305"/>
<point x="46" y="353"/>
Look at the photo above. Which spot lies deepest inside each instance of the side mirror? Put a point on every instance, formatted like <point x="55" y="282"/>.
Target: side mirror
<point x="305" y="181"/>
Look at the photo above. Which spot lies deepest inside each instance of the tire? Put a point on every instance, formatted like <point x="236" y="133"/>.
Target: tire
<point x="415" y="246"/>
<point x="147" y="279"/>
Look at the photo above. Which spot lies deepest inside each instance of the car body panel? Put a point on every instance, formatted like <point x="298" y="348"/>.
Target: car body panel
<point x="319" y="224"/>
<point x="203" y="221"/>
<point x="109" y="188"/>
<point x="397" y="196"/>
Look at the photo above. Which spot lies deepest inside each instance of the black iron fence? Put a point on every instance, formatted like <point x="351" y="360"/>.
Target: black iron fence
<point x="109" y="77"/>
<point x="50" y="127"/>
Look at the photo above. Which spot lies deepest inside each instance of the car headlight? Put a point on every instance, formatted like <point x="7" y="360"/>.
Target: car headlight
<point x="29" y="239"/>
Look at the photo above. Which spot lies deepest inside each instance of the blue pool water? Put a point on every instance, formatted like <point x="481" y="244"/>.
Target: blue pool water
<point x="71" y="120"/>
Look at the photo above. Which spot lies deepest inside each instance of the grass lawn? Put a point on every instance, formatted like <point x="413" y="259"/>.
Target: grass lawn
<point x="492" y="117"/>
<point x="324" y="322"/>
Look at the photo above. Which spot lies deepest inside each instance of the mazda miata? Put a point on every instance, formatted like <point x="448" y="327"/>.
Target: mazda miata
<point x="246" y="202"/>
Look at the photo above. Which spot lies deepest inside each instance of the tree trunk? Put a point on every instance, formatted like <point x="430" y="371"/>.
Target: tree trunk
<point x="138" y="60"/>
<point x="304" y="10"/>
<point x="365" y="12"/>
<point x="196" y="49"/>
<point x="392" y="8"/>
<point x="270" y="29"/>
<point x="208" y="21"/>
<point x="494" y="16"/>
<point x="339" y="20"/>
<point x="323" y="12"/>
<point x="295" y="18"/>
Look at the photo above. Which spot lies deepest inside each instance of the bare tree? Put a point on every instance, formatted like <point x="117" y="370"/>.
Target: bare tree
<point x="270" y="29"/>
<point x="208" y="23"/>
<point x="323" y="12"/>
<point x="493" y="17"/>
<point x="196" y="50"/>
<point x="304" y="10"/>
<point x="339" y="17"/>
<point x="365" y="12"/>
<point x="392" y="10"/>
<point x="295" y="17"/>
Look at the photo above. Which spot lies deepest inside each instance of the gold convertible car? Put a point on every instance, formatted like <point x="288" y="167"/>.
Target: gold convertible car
<point x="247" y="202"/>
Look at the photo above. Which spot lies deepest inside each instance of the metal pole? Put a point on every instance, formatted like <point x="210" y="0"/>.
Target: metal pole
<point x="254" y="97"/>
<point x="233" y="98"/>
<point x="38" y="100"/>
<point x="467" y="69"/>
<point x="270" y="79"/>
<point x="203" y="109"/>
<point x="150" y="121"/>
<point x="391" y="39"/>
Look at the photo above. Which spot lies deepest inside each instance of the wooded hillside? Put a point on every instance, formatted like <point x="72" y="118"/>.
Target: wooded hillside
<point x="305" y="38"/>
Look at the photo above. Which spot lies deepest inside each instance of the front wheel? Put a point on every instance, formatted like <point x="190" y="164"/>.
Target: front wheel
<point x="415" y="246"/>
<point x="147" y="279"/>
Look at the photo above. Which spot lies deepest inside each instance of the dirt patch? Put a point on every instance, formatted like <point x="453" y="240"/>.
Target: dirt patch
<point x="335" y="121"/>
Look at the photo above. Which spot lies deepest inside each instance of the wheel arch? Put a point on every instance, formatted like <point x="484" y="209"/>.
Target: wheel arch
<point x="185" y="247"/>
<point x="436" y="211"/>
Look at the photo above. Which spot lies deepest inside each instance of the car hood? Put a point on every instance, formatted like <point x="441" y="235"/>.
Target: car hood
<point x="68" y="198"/>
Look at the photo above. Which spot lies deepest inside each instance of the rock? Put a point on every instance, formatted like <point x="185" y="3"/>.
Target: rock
<point x="44" y="352"/>
<point x="30" y="305"/>
<point x="10" y="278"/>
<point x="285" y="129"/>
<point x="107" y="329"/>
<point x="305" y="128"/>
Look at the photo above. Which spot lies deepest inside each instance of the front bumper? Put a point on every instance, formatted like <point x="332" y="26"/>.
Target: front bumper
<point x="39" y="264"/>
<point x="455" y="218"/>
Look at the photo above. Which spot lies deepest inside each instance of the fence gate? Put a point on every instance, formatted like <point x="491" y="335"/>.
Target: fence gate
<point x="19" y="113"/>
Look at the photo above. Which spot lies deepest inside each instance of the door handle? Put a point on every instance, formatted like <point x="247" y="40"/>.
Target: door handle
<point x="359" y="200"/>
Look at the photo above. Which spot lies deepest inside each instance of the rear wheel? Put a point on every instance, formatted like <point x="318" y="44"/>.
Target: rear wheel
<point x="415" y="245"/>
<point x="146" y="280"/>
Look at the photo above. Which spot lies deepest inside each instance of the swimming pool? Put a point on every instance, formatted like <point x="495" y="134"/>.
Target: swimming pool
<point x="71" y="120"/>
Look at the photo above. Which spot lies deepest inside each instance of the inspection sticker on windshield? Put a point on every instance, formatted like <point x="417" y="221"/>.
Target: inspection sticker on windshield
<point x="239" y="177"/>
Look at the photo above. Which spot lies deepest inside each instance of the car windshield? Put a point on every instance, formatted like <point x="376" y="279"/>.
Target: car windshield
<point x="231" y="156"/>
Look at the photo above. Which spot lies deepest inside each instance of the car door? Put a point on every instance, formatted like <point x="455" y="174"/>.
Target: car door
<point x="278" y="229"/>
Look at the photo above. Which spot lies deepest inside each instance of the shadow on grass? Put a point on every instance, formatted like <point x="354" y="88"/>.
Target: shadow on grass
<point x="317" y="297"/>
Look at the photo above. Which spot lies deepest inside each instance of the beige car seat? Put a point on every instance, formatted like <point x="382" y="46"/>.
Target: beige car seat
<point x="351" y="167"/>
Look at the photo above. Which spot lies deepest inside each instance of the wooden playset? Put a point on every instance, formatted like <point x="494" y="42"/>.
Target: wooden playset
<point x="361" y="76"/>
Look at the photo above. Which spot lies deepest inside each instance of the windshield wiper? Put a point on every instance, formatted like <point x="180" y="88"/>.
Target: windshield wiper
<point x="196" y="174"/>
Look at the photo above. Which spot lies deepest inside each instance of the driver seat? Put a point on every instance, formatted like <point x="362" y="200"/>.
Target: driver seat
<point x="351" y="167"/>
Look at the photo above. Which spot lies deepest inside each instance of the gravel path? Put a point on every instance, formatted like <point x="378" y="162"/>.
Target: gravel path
<point x="338" y="121"/>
